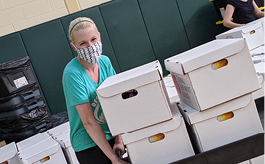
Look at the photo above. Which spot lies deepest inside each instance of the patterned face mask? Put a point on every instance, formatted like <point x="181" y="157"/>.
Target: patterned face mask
<point x="91" y="54"/>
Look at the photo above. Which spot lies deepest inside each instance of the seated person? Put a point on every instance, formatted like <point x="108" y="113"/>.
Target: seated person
<point x="242" y="12"/>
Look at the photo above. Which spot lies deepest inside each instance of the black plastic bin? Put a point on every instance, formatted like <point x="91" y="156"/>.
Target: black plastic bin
<point x="12" y="102"/>
<point x="15" y="76"/>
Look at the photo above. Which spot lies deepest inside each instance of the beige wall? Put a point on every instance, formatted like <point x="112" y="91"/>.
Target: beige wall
<point x="16" y="15"/>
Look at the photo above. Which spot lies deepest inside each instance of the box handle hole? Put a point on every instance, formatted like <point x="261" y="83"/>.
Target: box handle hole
<point x="45" y="159"/>
<point x="219" y="64"/>
<point x="129" y="94"/>
<point x="252" y="32"/>
<point x="157" y="137"/>
<point x="225" y="116"/>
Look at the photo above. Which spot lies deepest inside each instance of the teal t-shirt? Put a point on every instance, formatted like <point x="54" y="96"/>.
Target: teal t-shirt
<point x="79" y="88"/>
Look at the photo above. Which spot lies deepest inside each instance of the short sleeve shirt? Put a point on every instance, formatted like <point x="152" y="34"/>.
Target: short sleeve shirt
<point x="244" y="11"/>
<point x="80" y="88"/>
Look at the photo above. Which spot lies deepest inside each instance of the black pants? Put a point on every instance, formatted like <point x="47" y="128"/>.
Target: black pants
<point x="94" y="155"/>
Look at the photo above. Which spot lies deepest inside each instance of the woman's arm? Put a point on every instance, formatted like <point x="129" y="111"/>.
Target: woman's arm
<point x="96" y="133"/>
<point x="228" y="16"/>
<point x="257" y="12"/>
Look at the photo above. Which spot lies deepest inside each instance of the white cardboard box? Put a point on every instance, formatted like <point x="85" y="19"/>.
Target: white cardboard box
<point x="257" y="160"/>
<point x="64" y="140"/>
<point x="47" y="150"/>
<point x="148" y="107"/>
<point x="9" y="153"/>
<point x="201" y="86"/>
<point x="176" y="144"/>
<point x="260" y="93"/>
<point x="209" y="133"/>
<point x="31" y="140"/>
<point x="65" y="127"/>
<point x="170" y="87"/>
<point x="259" y="67"/>
<point x="260" y="20"/>
<point x="252" y="32"/>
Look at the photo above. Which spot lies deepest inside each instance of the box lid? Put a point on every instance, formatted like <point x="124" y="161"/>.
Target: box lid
<point x="203" y="55"/>
<point x="64" y="139"/>
<point x="32" y="140"/>
<point x="163" y="127"/>
<point x="259" y="67"/>
<point x="250" y="27"/>
<point x="193" y="116"/>
<point x="245" y="29"/>
<point x="131" y="79"/>
<point x="8" y="151"/>
<point x="36" y="152"/>
<point x="59" y="129"/>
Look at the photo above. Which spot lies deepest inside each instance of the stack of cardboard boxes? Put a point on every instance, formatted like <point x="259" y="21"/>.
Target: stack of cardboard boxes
<point x="253" y="33"/>
<point x="136" y="106"/>
<point x="9" y="154"/>
<point x="61" y="134"/>
<point x="51" y="146"/>
<point x="215" y="82"/>
<point x="40" y="148"/>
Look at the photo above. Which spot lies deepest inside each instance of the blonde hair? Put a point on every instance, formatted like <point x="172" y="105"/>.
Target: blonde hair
<point x="79" y="23"/>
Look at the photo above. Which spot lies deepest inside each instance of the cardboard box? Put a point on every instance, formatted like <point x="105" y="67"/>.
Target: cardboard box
<point x="65" y="127"/>
<point x="147" y="104"/>
<point x="174" y="146"/>
<point x="223" y="124"/>
<point x="170" y="87"/>
<point x="47" y="150"/>
<point x="259" y="93"/>
<point x="257" y="160"/>
<point x="260" y="20"/>
<point x="257" y="51"/>
<point x="259" y="67"/>
<point x="201" y="85"/>
<point x="32" y="141"/>
<point x="64" y="140"/>
<point x="9" y="154"/>
<point x="252" y="32"/>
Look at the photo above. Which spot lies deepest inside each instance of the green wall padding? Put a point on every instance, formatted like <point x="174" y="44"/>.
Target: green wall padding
<point x="167" y="37"/>
<point x="12" y="48"/>
<point x="95" y="15"/>
<point x="127" y="33"/>
<point x="199" y="18"/>
<point x="49" y="52"/>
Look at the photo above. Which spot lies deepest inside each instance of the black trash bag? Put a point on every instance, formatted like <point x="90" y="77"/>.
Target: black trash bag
<point x="16" y="137"/>
<point x="26" y="121"/>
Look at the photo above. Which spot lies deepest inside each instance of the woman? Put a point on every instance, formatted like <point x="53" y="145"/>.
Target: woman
<point x="90" y="135"/>
<point x="242" y="12"/>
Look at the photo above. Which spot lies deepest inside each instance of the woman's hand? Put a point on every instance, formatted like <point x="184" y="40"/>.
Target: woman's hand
<point x="118" y="145"/>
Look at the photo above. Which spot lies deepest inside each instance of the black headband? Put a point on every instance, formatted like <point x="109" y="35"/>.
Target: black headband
<point x="79" y="22"/>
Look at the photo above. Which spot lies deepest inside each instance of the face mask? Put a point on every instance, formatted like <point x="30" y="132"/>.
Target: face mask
<point x="91" y="54"/>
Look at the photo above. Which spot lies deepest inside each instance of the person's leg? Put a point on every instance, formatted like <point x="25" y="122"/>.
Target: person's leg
<point x="93" y="155"/>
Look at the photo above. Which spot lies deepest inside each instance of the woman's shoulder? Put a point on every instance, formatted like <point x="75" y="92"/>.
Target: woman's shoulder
<point x="72" y="66"/>
<point x="104" y="59"/>
<point x="233" y="2"/>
